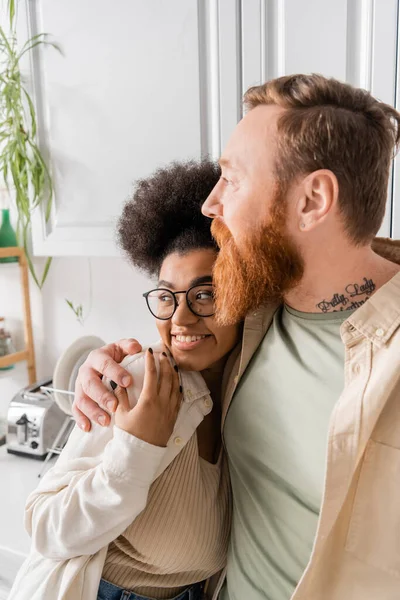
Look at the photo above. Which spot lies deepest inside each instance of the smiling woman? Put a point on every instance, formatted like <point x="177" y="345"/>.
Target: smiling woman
<point x="148" y="499"/>
<point x="195" y="340"/>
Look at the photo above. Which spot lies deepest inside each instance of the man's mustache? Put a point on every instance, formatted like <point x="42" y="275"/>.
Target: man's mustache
<point x="220" y="232"/>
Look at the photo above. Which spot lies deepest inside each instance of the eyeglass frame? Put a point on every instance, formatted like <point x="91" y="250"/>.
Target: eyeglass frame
<point x="186" y="292"/>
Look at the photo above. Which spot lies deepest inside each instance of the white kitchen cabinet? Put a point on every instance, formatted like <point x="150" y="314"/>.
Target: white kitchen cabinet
<point x="145" y="82"/>
<point x="124" y="99"/>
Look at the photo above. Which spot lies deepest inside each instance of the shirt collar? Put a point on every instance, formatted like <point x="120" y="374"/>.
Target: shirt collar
<point x="378" y="318"/>
<point x="194" y="386"/>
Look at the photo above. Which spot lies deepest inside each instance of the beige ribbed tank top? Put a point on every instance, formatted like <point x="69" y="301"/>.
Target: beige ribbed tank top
<point x="182" y="535"/>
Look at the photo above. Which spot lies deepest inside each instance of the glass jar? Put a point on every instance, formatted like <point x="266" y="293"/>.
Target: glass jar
<point x="6" y="345"/>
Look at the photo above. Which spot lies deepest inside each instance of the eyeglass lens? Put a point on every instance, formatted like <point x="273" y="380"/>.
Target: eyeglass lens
<point x="200" y="298"/>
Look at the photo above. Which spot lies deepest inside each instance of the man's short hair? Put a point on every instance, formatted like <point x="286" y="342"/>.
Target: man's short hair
<point x="332" y="125"/>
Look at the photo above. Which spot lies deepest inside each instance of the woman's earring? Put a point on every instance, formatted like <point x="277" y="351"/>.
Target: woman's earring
<point x="302" y="225"/>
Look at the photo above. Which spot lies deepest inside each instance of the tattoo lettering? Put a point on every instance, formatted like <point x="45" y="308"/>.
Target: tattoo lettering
<point x="340" y="302"/>
<point x="359" y="290"/>
<point x="355" y="304"/>
<point x="337" y="299"/>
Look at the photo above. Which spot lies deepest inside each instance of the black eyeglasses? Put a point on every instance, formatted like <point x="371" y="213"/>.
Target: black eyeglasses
<point x="162" y="303"/>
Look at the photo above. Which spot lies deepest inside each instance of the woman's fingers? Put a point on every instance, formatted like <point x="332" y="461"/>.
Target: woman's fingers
<point x="176" y="392"/>
<point x="150" y="382"/>
<point x="122" y="397"/>
<point x="176" y="385"/>
<point x="166" y="378"/>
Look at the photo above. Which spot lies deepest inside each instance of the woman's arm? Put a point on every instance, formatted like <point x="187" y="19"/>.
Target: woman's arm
<point x="101" y="481"/>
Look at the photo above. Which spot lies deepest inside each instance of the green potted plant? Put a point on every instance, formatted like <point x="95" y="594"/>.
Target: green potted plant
<point x="23" y="170"/>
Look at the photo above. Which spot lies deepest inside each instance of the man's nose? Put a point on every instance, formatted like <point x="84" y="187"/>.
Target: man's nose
<point x="212" y="207"/>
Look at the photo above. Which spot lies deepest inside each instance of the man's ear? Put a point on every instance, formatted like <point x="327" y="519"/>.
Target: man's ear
<point x="320" y="191"/>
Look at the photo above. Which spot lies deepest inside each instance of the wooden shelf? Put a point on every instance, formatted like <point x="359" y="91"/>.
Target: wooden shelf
<point x="11" y="359"/>
<point x="28" y="353"/>
<point x="14" y="251"/>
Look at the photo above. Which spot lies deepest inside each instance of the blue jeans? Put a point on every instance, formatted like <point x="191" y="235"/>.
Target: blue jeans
<point x="109" y="591"/>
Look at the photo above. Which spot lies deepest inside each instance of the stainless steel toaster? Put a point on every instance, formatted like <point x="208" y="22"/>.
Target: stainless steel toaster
<point x="34" y="421"/>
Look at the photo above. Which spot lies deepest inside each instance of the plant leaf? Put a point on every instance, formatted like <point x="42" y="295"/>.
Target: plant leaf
<point x="46" y="270"/>
<point x="11" y="12"/>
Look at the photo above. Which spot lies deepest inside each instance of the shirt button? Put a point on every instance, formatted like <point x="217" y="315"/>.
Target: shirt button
<point x="178" y="441"/>
<point x="380" y="332"/>
<point x="208" y="403"/>
<point x="351" y="328"/>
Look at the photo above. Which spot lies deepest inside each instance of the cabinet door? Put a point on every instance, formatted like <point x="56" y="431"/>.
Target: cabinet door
<point x="351" y="40"/>
<point x="128" y="94"/>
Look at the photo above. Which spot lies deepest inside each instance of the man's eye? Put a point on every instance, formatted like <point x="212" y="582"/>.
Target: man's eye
<point x="165" y="298"/>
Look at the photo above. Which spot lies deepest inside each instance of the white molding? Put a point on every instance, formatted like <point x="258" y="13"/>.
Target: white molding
<point x="251" y="42"/>
<point x="220" y="55"/>
<point x="360" y="43"/>
<point x="264" y="38"/>
<point x="230" y="66"/>
<point x="210" y="100"/>
<point x="272" y="39"/>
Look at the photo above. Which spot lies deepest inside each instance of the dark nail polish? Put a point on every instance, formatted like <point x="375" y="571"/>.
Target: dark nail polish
<point x="180" y="389"/>
<point x="113" y="384"/>
<point x="151" y="350"/>
<point x="176" y="368"/>
<point x="163" y="353"/>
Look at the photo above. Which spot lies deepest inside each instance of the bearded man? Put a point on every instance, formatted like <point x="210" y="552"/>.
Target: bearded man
<point x="311" y="416"/>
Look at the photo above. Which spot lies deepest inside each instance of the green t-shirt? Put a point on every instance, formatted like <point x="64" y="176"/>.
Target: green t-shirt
<point x="276" y="437"/>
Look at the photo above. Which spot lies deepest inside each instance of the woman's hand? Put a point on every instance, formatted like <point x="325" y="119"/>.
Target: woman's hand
<point x="153" y="418"/>
<point x="91" y="395"/>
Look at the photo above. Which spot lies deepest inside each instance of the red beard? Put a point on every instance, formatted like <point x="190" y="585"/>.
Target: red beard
<point x="265" y="267"/>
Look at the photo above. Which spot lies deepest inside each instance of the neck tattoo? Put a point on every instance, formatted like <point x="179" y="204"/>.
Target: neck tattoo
<point x="354" y="296"/>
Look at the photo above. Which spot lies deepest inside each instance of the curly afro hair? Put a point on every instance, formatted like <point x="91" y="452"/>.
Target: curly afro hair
<point x="164" y="214"/>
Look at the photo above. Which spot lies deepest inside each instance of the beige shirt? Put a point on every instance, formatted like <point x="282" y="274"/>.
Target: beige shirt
<point x="356" y="552"/>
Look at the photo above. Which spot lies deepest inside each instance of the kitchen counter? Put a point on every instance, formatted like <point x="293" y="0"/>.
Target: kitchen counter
<point x="19" y="476"/>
